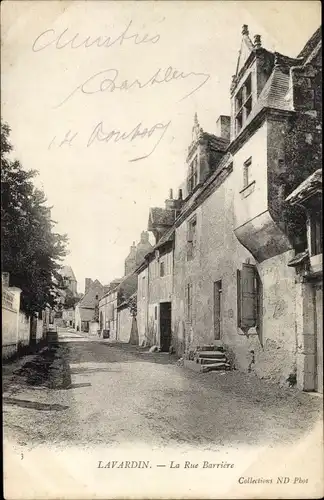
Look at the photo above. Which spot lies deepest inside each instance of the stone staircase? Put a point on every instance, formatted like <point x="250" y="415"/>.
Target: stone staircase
<point x="207" y="358"/>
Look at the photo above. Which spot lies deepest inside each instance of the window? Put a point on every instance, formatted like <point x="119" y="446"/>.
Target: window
<point x="191" y="238"/>
<point x="155" y="313"/>
<point x="162" y="270"/>
<point x="243" y="104"/>
<point x="249" y="299"/>
<point x="247" y="173"/>
<point x="316" y="234"/>
<point x="189" y="302"/>
<point x="193" y="175"/>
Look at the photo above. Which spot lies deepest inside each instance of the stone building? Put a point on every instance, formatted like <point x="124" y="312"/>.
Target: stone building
<point x="87" y="310"/>
<point x="112" y="317"/>
<point x="233" y="239"/>
<point x="69" y="280"/>
<point x="137" y="253"/>
<point x="309" y="285"/>
<point x="115" y="312"/>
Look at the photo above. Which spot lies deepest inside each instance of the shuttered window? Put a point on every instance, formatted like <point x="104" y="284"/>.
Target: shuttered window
<point x="249" y="297"/>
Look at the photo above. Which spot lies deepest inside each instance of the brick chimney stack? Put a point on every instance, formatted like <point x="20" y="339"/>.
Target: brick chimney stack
<point x="223" y="127"/>
<point x="87" y="284"/>
<point x="144" y="237"/>
<point x="257" y="42"/>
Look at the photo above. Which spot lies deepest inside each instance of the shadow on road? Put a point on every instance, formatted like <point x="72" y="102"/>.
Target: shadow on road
<point x="34" y="405"/>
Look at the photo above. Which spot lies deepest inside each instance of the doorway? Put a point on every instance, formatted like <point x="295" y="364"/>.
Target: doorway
<point x="217" y="310"/>
<point x="165" y="326"/>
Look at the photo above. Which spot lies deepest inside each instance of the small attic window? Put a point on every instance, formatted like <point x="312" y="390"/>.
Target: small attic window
<point x="192" y="180"/>
<point x="243" y="103"/>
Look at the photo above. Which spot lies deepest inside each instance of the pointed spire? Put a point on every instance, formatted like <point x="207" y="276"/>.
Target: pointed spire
<point x="196" y="129"/>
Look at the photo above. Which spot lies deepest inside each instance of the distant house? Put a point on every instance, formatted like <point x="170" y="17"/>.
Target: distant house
<point x="87" y="310"/>
<point x="69" y="280"/>
<point x="155" y="277"/>
<point x="116" y="314"/>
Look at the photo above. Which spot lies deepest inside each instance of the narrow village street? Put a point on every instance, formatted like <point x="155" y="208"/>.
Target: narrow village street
<point x="120" y="393"/>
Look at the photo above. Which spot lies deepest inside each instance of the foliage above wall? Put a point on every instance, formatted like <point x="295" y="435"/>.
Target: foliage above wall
<point x="31" y="250"/>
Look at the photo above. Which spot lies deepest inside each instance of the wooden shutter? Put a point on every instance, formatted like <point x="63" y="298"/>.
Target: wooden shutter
<point x="247" y="297"/>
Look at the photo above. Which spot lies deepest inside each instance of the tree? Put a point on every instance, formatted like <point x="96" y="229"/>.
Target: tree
<point x="70" y="300"/>
<point x="31" y="250"/>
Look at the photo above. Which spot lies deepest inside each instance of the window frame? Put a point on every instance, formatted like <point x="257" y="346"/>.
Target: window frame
<point x="247" y="173"/>
<point x="192" y="180"/>
<point x="316" y="233"/>
<point x="162" y="269"/>
<point x="243" y="103"/>
<point x="192" y="237"/>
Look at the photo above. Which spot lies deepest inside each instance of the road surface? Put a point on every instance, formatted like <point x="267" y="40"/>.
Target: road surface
<point x="118" y="394"/>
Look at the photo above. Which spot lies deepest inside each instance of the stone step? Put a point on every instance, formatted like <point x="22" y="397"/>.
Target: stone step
<point x="215" y="366"/>
<point x="207" y="348"/>
<point x="210" y="354"/>
<point x="210" y="361"/>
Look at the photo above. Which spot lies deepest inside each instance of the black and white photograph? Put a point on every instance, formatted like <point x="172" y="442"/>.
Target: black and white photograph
<point x="161" y="249"/>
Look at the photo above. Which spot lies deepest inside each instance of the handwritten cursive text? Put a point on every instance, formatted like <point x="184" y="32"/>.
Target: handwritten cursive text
<point x="100" y="134"/>
<point x="75" y="41"/>
<point x="107" y="80"/>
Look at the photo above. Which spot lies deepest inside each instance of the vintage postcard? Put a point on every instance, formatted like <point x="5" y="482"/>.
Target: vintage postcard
<point x="161" y="220"/>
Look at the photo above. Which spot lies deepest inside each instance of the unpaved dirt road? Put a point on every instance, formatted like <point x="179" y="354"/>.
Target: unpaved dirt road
<point x="119" y="394"/>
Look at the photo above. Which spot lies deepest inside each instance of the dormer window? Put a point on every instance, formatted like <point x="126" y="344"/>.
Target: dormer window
<point x="193" y="174"/>
<point x="243" y="104"/>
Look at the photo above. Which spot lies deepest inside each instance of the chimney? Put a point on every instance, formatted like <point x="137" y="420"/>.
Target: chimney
<point x="257" y="42"/>
<point x="170" y="203"/>
<point x="144" y="237"/>
<point x="180" y="195"/>
<point x="223" y="127"/>
<point x="87" y="285"/>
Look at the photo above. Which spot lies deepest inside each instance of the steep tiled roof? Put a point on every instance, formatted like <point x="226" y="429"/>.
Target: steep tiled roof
<point x="310" y="186"/>
<point x="88" y="301"/>
<point x="311" y="43"/>
<point x="128" y="286"/>
<point x="218" y="142"/>
<point x="275" y="94"/>
<point x="161" y="217"/>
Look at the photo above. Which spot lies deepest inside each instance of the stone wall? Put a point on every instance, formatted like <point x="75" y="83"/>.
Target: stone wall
<point x="124" y="324"/>
<point x="219" y="255"/>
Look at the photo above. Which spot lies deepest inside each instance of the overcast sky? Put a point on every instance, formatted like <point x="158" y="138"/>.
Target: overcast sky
<point x="52" y="92"/>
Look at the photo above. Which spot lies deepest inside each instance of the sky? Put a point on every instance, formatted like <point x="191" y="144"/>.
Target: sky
<point x="108" y="125"/>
